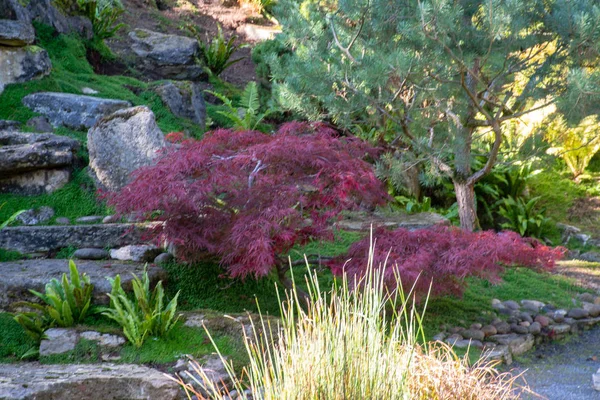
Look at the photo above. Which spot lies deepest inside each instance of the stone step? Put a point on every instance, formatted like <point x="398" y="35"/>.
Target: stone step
<point x="36" y="239"/>
<point x="363" y="221"/>
<point x="18" y="277"/>
<point x="89" y="382"/>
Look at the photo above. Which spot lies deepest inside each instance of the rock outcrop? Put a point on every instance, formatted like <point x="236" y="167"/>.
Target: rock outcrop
<point x="121" y="143"/>
<point x="163" y="56"/>
<point x="185" y="100"/>
<point x="28" y="381"/>
<point x="32" y="164"/>
<point x="21" y="276"/>
<point x="45" y="12"/>
<point x="20" y="61"/>
<point x="71" y="110"/>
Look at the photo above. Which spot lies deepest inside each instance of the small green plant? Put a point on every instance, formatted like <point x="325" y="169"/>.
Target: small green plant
<point x="11" y="218"/>
<point x="215" y="56"/>
<point x="146" y="314"/>
<point x="413" y="206"/>
<point x="67" y="302"/>
<point x="103" y="15"/>
<point x="523" y="216"/>
<point x="247" y="115"/>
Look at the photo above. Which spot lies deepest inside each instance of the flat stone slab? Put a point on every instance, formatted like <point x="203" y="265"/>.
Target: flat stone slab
<point x="363" y="222"/>
<point x="18" y="277"/>
<point x="32" y="381"/>
<point x="71" y="110"/>
<point x="36" y="239"/>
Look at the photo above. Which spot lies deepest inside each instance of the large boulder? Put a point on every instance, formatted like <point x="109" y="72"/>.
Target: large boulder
<point x="16" y="33"/>
<point x="121" y="143"/>
<point x="37" y="239"/>
<point x="19" y="277"/>
<point x="32" y="164"/>
<point x="185" y="100"/>
<point x="22" y="64"/>
<point x="71" y="110"/>
<point x="45" y="12"/>
<point x="163" y="56"/>
<point x="14" y="10"/>
<point x="30" y="381"/>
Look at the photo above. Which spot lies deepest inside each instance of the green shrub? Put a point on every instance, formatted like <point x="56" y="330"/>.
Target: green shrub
<point x="247" y="115"/>
<point x="103" y="15"/>
<point x="216" y="55"/>
<point x="66" y="303"/>
<point x="146" y="314"/>
<point x="523" y="216"/>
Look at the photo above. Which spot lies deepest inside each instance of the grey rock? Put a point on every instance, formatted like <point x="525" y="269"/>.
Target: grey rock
<point x="524" y="316"/>
<point x="138" y="253"/>
<point x="489" y="330"/>
<point x="163" y="56"/>
<point x="31" y="239"/>
<point x="512" y="305"/>
<point x="21" y="276"/>
<point x="586" y="297"/>
<point x="586" y="323"/>
<point x="363" y="222"/>
<point x="90" y="219"/>
<point x="16" y="33"/>
<point x="591" y="256"/>
<point x="91" y="335"/>
<point x="502" y="327"/>
<point x="40" y="124"/>
<point x="58" y="341"/>
<point x="543" y="320"/>
<point x="22" y="64"/>
<point x="532" y="305"/>
<point x="91" y="254"/>
<point x="560" y="329"/>
<point x="535" y="328"/>
<point x="121" y="143"/>
<point x="476" y="325"/>
<point x="163" y="258"/>
<point x="452" y="339"/>
<point x="519" y="329"/>
<point x="558" y="315"/>
<point x="592" y="309"/>
<point x="36" y="216"/>
<point x="474" y="334"/>
<point x="45" y="12"/>
<point x="104" y="340"/>
<point x="87" y="90"/>
<point x="91" y="382"/>
<point x="499" y="352"/>
<point x="32" y="164"/>
<point x="14" y="10"/>
<point x="596" y="380"/>
<point x="496" y="302"/>
<point x="73" y="111"/>
<point x="8" y="125"/>
<point x="463" y="344"/>
<point x="578" y="313"/>
<point x="439" y="337"/>
<point x="518" y="344"/>
<point x="185" y="100"/>
<point x="62" y="221"/>
<point x="214" y="369"/>
<point x="110" y="219"/>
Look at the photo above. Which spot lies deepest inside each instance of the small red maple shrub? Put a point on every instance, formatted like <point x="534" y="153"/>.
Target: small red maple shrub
<point x="443" y="257"/>
<point x="248" y="197"/>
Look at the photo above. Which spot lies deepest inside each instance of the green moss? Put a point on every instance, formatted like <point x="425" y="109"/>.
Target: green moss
<point x="9" y="255"/>
<point x="557" y="193"/>
<point x="75" y="199"/>
<point x="14" y="342"/>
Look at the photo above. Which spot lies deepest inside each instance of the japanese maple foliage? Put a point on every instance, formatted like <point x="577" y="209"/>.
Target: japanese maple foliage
<point x="248" y="197"/>
<point x="444" y="256"/>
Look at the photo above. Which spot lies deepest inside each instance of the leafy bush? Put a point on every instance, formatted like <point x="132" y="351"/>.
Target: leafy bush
<point x="247" y="115"/>
<point x="103" y="15"/>
<point x="522" y="216"/>
<point x="342" y="345"/>
<point x="216" y="55"/>
<point x="67" y="303"/>
<point x="248" y="197"/>
<point x="443" y="256"/>
<point x="146" y="314"/>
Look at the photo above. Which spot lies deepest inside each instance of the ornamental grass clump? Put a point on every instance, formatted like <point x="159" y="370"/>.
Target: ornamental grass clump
<point x="344" y="344"/>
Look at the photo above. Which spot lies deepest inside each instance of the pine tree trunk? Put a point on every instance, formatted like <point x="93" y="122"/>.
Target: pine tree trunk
<point x="467" y="212"/>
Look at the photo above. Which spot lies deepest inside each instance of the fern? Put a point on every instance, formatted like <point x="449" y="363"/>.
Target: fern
<point x="246" y="116"/>
<point x="215" y="56"/>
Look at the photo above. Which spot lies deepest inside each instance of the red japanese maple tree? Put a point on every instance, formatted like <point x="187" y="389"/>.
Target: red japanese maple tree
<point x="248" y="197"/>
<point x="443" y="256"/>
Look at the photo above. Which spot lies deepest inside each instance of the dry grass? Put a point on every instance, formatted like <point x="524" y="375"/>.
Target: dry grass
<point x="348" y="345"/>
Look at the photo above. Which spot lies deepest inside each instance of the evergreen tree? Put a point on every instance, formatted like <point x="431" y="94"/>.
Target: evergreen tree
<point x="439" y="78"/>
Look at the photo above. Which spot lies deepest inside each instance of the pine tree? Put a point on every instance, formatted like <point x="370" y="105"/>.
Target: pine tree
<point x="439" y="78"/>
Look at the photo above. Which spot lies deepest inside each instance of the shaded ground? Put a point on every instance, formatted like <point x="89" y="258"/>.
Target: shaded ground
<point x="586" y="274"/>
<point x="563" y="371"/>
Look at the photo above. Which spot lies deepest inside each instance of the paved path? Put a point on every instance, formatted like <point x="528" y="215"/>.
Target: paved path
<point x="563" y="371"/>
